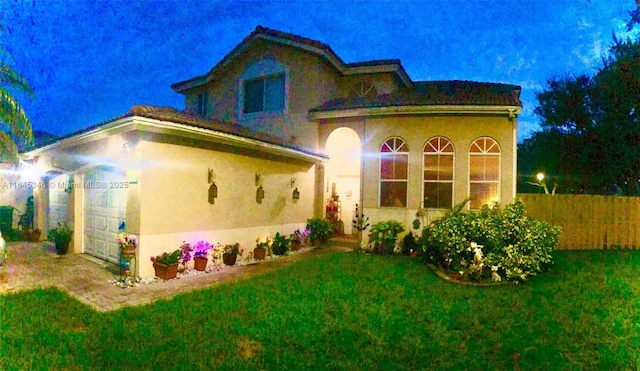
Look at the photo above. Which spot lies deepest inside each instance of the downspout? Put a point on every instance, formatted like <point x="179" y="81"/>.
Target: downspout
<point x="513" y="117"/>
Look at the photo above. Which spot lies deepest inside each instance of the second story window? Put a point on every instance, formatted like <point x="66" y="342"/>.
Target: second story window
<point x="264" y="94"/>
<point x="201" y="104"/>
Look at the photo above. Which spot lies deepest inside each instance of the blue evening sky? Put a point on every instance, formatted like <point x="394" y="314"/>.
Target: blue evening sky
<point x="90" y="61"/>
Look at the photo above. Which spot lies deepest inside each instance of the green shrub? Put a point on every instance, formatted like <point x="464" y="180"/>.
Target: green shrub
<point x="410" y="243"/>
<point x="385" y="234"/>
<point x="319" y="229"/>
<point x="280" y="244"/>
<point x="506" y="241"/>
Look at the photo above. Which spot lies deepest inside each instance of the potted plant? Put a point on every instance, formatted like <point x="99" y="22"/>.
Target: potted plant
<point x="127" y="243"/>
<point x="186" y="253"/>
<point x="200" y="251"/>
<point x="260" y="251"/>
<point x="296" y="239"/>
<point x="280" y="244"/>
<point x="166" y="265"/>
<point x="319" y="230"/>
<point x="32" y="235"/>
<point x="231" y="252"/>
<point x="61" y="236"/>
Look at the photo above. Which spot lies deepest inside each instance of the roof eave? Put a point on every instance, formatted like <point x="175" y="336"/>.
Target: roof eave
<point x="510" y="110"/>
<point x="145" y="124"/>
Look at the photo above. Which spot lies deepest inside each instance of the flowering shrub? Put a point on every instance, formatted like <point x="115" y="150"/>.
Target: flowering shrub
<point x="514" y="245"/>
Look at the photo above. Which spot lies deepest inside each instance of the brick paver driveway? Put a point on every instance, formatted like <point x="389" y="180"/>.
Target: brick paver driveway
<point x="33" y="265"/>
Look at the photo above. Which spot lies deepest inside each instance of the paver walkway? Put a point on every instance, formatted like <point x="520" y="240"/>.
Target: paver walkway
<point x="33" y="265"/>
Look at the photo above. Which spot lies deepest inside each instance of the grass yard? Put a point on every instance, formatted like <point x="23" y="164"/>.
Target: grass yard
<point x="347" y="311"/>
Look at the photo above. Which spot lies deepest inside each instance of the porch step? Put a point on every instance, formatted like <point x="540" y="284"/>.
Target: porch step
<point x="345" y="240"/>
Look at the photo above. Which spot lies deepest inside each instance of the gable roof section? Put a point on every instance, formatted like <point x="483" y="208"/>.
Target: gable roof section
<point x="435" y="93"/>
<point x="324" y="51"/>
<point x="230" y="133"/>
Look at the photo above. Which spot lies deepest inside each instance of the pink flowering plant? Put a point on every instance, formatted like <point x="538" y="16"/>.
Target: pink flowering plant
<point x="234" y="248"/>
<point x="186" y="253"/>
<point x="125" y="240"/>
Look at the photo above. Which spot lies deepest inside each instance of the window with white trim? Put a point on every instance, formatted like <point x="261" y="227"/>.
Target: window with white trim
<point x="394" y="166"/>
<point x="437" y="165"/>
<point x="264" y="94"/>
<point x="484" y="172"/>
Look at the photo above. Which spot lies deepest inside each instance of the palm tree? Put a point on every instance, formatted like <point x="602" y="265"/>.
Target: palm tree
<point x="14" y="122"/>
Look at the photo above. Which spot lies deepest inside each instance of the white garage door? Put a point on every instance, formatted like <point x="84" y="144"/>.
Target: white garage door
<point x="105" y="209"/>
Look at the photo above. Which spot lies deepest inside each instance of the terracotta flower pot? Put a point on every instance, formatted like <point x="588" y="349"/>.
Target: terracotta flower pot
<point x="259" y="253"/>
<point x="200" y="263"/>
<point x="166" y="272"/>
<point x="34" y="236"/>
<point x="315" y="242"/>
<point x="229" y="259"/>
<point x="295" y="245"/>
<point x="128" y="251"/>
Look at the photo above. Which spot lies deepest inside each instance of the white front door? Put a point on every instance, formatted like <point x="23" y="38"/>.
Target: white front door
<point x="58" y="200"/>
<point x="105" y="205"/>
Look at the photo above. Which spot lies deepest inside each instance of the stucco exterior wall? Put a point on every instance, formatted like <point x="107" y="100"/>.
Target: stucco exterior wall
<point x="462" y="130"/>
<point x="174" y="203"/>
<point x="310" y="82"/>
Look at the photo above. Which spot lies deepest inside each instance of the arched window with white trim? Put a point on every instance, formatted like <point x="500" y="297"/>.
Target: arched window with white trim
<point x="484" y="172"/>
<point x="437" y="165"/>
<point x="394" y="172"/>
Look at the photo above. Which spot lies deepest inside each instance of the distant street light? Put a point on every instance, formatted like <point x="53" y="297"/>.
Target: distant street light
<point x="541" y="183"/>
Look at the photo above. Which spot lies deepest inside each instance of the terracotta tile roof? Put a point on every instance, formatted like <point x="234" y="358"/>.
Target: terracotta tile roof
<point x="321" y="49"/>
<point x="453" y="92"/>
<point x="191" y="119"/>
<point x="375" y="62"/>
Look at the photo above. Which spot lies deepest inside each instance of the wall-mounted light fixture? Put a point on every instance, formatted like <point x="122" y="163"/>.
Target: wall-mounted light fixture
<point x="70" y="185"/>
<point x="132" y="162"/>
<point x="296" y="193"/>
<point x="260" y="190"/>
<point x="213" y="188"/>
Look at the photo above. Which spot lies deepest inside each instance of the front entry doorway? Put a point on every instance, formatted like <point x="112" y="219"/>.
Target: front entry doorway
<point x="343" y="176"/>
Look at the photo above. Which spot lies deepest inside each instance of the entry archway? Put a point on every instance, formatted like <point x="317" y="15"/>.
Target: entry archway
<point x="343" y="173"/>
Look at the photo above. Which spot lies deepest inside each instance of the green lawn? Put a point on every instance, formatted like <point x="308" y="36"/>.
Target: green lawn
<point x="347" y="311"/>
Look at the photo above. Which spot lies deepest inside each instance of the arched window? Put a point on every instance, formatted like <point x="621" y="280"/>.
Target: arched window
<point x="437" y="165"/>
<point x="484" y="172"/>
<point x="362" y="89"/>
<point x="394" y="163"/>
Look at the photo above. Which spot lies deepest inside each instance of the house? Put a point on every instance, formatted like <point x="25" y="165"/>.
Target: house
<point x="279" y="113"/>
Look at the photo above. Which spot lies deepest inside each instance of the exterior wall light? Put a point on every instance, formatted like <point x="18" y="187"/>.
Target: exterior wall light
<point x="213" y="188"/>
